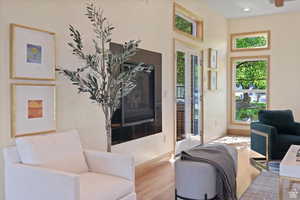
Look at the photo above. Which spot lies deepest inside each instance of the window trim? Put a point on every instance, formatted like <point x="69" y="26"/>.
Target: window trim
<point x="245" y="34"/>
<point x="191" y="17"/>
<point x="232" y="91"/>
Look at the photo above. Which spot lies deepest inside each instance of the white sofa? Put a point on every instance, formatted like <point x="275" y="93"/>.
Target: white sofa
<point x="55" y="167"/>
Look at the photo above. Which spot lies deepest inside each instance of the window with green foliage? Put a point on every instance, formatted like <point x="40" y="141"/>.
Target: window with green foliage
<point x="246" y="41"/>
<point x="184" y="25"/>
<point x="180" y="85"/>
<point x="251" y="42"/>
<point x="188" y="23"/>
<point x="250" y="83"/>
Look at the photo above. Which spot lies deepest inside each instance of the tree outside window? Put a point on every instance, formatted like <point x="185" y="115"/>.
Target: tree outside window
<point x="250" y="89"/>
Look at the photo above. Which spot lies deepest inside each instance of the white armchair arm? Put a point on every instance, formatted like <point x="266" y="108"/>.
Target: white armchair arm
<point x="36" y="183"/>
<point x="111" y="163"/>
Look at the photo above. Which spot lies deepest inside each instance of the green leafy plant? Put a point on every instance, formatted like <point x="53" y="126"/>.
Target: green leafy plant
<point x="102" y="76"/>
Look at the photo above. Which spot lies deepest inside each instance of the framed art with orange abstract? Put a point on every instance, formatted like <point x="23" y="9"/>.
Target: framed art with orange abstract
<point x="33" y="109"/>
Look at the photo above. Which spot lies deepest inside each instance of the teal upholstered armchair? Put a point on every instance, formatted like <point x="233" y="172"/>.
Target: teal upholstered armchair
<point x="275" y="132"/>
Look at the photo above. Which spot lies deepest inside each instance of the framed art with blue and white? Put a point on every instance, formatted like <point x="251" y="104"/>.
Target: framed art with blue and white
<point x="32" y="55"/>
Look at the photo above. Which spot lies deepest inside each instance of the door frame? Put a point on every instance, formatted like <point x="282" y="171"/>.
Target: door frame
<point x="201" y="53"/>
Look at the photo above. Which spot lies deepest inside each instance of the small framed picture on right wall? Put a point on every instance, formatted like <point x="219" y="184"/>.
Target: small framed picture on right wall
<point x="212" y="58"/>
<point x="212" y="80"/>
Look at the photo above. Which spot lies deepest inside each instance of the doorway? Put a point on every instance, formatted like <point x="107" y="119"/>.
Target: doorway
<point x="188" y="96"/>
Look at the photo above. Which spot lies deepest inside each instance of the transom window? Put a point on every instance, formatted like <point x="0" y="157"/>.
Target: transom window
<point x="187" y="23"/>
<point x="250" y="41"/>
<point x="249" y="88"/>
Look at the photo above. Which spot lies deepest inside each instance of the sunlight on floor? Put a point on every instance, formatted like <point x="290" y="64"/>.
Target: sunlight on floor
<point x="239" y="142"/>
<point x="158" y="183"/>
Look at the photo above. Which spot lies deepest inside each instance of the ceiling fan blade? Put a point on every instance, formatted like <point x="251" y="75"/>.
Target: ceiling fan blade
<point x="279" y="3"/>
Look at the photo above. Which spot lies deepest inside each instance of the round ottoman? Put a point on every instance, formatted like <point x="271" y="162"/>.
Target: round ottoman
<point x="196" y="180"/>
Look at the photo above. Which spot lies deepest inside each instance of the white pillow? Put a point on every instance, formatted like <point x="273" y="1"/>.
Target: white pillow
<point x="60" y="151"/>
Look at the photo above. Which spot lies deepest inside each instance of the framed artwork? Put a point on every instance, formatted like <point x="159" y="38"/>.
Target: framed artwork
<point x="33" y="109"/>
<point x="32" y="55"/>
<point x="212" y="80"/>
<point x="213" y="58"/>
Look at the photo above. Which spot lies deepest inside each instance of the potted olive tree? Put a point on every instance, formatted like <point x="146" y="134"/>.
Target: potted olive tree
<point x="102" y="76"/>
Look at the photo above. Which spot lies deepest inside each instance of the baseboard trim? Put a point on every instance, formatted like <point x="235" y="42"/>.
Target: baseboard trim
<point x="239" y="132"/>
<point x="141" y="169"/>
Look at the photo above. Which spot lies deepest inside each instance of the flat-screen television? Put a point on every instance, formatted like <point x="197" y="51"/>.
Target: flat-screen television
<point x="139" y="106"/>
<point x="140" y="112"/>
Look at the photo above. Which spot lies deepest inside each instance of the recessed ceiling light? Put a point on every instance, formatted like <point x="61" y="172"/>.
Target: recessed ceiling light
<point x="246" y="9"/>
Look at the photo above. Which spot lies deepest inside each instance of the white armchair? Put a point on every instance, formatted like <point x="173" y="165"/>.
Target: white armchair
<point x="102" y="176"/>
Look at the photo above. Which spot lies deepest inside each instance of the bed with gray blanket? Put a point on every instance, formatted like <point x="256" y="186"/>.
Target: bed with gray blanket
<point x="207" y="172"/>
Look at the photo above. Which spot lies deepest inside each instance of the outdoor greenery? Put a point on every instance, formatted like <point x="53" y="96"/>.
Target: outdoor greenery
<point x="183" y="25"/>
<point x="180" y="68"/>
<point x="250" y="75"/>
<point x="250" y="113"/>
<point x="102" y="75"/>
<point x="251" y="42"/>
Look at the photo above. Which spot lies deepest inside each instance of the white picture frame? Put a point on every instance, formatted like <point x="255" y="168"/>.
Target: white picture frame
<point x="212" y="80"/>
<point x="32" y="55"/>
<point x="213" y="58"/>
<point x="33" y="109"/>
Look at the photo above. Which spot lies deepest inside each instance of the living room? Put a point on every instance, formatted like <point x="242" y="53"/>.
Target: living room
<point x="208" y="111"/>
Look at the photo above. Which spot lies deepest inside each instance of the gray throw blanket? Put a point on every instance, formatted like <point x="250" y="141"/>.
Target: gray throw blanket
<point x="218" y="157"/>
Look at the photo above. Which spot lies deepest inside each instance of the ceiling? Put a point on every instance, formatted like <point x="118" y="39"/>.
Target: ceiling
<point x="234" y="8"/>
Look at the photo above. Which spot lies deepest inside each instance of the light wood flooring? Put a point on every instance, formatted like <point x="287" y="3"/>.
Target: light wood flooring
<point x="158" y="184"/>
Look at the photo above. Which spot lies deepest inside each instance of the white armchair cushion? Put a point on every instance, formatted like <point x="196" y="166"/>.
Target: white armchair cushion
<point x="60" y="151"/>
<point x="35" y="183"/>
<point x="111" y="164"/>
<point x="95" y="186"/>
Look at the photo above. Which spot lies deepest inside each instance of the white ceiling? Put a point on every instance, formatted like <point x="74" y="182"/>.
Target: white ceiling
<point x="234" y="8"/>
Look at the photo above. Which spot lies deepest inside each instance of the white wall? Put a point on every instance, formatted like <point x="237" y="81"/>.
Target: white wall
<point x="215" y="36"/>
<point x="3" y="113"/>
<point x="285" y="62"/>
<point x="148" y="20"/>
